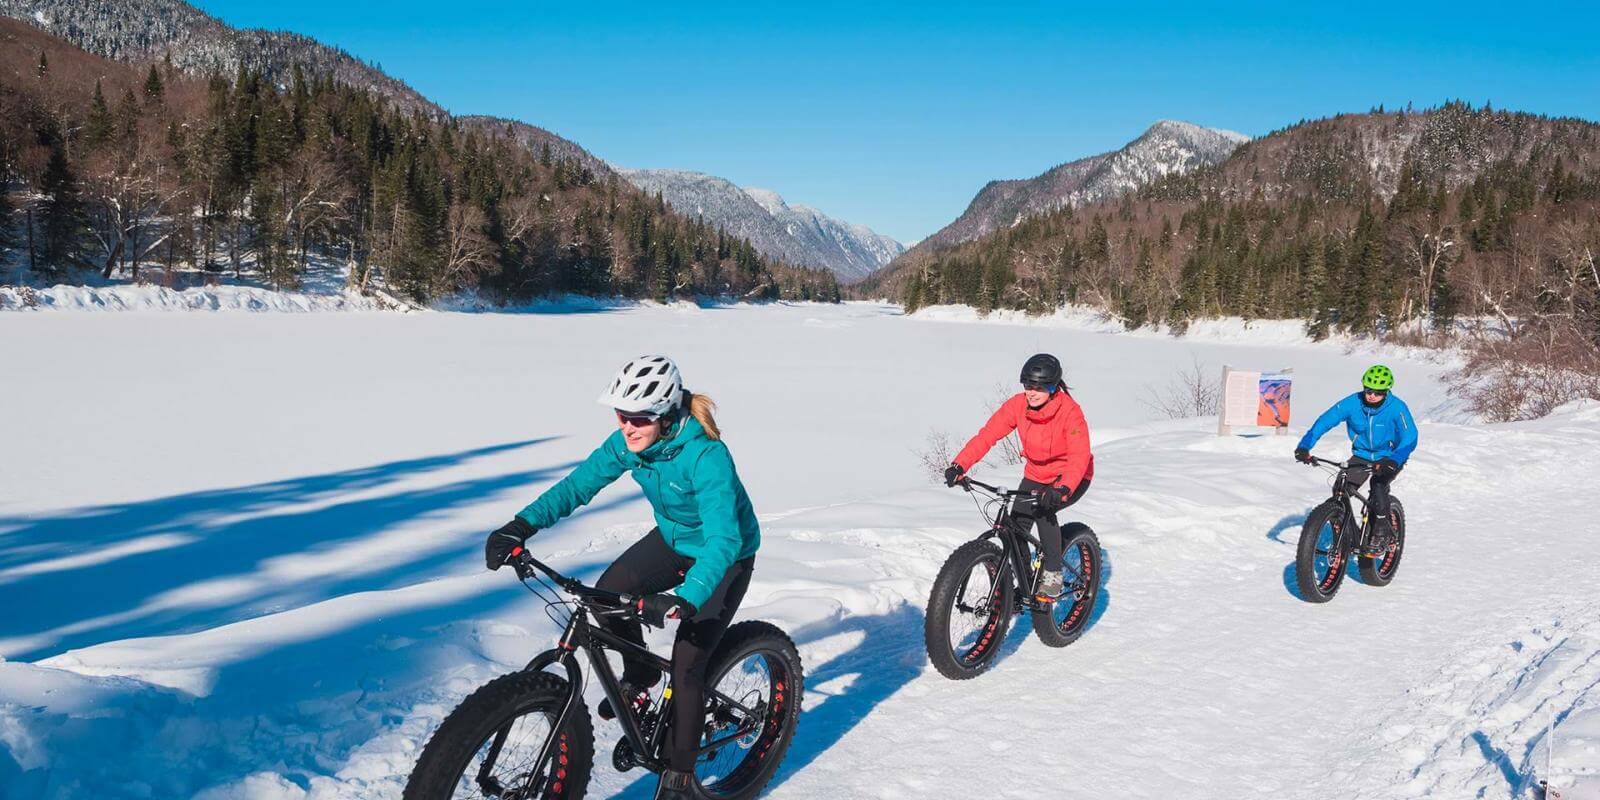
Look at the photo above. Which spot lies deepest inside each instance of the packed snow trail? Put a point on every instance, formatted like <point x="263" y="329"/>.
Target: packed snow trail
<point x="265" y="581"/>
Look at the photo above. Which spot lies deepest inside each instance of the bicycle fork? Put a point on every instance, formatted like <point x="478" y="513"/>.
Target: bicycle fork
<point x="534" y="783"/>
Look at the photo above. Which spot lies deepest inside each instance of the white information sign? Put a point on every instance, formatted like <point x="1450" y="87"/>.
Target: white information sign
<point x="1240" y="398"/>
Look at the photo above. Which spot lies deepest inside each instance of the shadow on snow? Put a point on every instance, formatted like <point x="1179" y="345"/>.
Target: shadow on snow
<point x="216" y="559"/>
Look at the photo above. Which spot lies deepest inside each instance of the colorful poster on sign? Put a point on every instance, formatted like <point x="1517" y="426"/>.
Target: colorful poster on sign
<point x="1273" y="389"/>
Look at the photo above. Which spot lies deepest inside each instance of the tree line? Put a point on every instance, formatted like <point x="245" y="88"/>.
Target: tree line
<point x="1514" y="235"/>
<point x="129" y="171"/>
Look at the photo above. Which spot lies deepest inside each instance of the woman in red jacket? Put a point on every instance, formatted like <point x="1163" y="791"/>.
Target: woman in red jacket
<point x="1055" y="445"/>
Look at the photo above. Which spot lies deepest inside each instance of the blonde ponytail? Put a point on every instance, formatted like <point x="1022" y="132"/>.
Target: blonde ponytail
<point x="700" y="407"/>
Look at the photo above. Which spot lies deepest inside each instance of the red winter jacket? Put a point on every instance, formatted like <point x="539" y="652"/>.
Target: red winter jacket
<point x="1055" y="440"/>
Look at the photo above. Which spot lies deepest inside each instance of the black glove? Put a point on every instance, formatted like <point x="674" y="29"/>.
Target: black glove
<point x="656" y="609"/>
<point x="1052" y="499"/>
<point x="1386" y="468"/>
<point x="953" y="474"/>
<point x="1302" y="455"/>
<point x="504" y="540"/>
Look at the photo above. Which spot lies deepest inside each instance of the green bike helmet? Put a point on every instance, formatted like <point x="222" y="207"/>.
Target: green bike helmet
<point x="1378" y="378"/>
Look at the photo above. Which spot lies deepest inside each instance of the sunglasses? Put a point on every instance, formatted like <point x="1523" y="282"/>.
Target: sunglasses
<point x="636" y="420"/>
<point x="1039" y="387"/>
<point x="1377" y="393"/>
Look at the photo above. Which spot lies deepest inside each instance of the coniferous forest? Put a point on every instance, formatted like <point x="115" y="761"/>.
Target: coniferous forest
<point x="146" y="172"/>
<point x="1360" y="223"/>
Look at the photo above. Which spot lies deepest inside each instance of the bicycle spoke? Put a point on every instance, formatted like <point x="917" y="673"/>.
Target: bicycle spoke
<point x="504" y="762"/>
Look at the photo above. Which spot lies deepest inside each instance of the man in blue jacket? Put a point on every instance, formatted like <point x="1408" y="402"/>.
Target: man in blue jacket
<point x="1382" y="436"/>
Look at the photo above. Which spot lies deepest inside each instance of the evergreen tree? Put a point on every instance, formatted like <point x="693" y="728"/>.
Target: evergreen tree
<point x="8" y="238"/>
<point x="98" y="128"/>
<point x="126" y="120"/>
<point x="154" y="88"/>
<point x="61" y="221"/>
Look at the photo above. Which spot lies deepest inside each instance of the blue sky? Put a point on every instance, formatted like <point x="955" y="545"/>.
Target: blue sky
<point x="893" y="116"/>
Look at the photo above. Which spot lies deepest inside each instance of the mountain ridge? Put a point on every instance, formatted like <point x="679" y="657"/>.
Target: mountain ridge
<point x="793" y="232"/>
<point x="1166" y="147"/>
<point x="197" y="42"/>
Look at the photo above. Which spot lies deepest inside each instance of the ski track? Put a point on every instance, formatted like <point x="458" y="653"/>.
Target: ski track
<point x="318" y="665"/>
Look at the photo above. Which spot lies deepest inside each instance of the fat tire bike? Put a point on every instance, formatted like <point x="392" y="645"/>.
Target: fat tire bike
<point x="528" y="736"/>
<point x="990" y="579"/>
<point x="1334" y="533"/>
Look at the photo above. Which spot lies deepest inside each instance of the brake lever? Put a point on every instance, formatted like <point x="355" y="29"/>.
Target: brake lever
<point x="519" y="563"/>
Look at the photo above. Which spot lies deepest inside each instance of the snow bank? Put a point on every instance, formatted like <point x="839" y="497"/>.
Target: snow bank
<point x="1288" y="332"/>
<point x="156" y="298"/>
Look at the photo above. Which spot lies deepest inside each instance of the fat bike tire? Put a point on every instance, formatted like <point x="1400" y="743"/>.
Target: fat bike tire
<point x="757" y="665"/>
<point x="1379" y="570"/>
<point x="1082" y="563"/>
<point x="973" y="590"/>
<point x="1323" y="555"/>
<point x="526" y="706"/>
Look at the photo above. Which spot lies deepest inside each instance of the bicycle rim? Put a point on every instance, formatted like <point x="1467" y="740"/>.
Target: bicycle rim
<point x="979" y="610"/>
<point x="1329" y="562"/>
<point x="760" y="682"/>
<point x="1080" y="576"/>
<point x="525" y="737"/>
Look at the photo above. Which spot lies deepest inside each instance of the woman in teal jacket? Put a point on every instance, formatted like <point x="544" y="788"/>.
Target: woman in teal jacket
<point x="693" y="567"/>
<point x="1382" y="437"/>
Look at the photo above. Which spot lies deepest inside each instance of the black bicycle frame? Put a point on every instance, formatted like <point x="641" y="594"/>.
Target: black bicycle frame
<point x="1017" y="542"/>
<point x="1342" y="492"/>
<point x="593" y="640"/>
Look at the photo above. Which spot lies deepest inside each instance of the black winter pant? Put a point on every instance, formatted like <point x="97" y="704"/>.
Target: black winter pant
<point x="1028" y="513"/>
<point x="651" y="566"/>
<point x="1378" y="497"/>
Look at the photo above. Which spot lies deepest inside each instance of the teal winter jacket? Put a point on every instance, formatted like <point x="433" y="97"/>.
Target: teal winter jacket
<point x="699" y="503"/>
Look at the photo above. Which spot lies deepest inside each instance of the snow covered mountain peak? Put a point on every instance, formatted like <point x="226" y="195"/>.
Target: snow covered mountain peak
<point x="1167" y="147"/>
<point x="795" y="233"/>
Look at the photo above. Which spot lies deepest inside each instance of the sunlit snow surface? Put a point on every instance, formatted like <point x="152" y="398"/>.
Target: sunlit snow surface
<point x="240" y="557"/>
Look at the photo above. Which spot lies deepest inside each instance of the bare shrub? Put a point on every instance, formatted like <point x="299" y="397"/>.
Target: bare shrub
<point x="1010" y="448"/>
<point x="1527" y="376"/>
<point x="1194" y="392"/>
<point x="935" y="454"/>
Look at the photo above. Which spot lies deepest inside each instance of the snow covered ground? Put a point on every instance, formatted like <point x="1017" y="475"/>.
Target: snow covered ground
<point x="240" y="558"/>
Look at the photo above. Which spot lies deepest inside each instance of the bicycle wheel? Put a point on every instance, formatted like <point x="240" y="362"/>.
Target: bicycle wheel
<point x="1063" y="622"/>
<point x="756" y="665"/>
<point x="1322" y="555"/>
<point x="519" y="711"/>
<point x="1380" y="571"/>
<point x="969" y="611"/>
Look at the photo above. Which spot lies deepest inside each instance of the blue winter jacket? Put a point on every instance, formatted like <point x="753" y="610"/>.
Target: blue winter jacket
<point x="1385" y="431"/>
<point x="699" y="503"/>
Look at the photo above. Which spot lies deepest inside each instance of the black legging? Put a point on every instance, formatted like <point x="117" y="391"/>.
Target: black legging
<point x="1028" y="513"/>
<point x="650" y="566"/>
<point x="1357" y="472"/>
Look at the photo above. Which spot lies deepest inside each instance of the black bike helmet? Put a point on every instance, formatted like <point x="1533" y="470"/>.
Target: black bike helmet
<point x="1042" y="369"/>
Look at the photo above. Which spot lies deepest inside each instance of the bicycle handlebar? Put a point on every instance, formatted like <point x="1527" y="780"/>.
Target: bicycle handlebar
<point x="525" y="564"/>
<point x="966" y="482"/>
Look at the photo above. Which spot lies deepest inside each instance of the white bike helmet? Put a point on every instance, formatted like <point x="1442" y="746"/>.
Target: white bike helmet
<point x="645" y="385"/>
